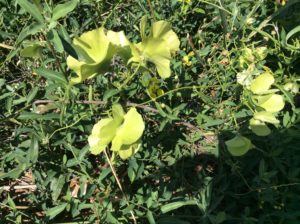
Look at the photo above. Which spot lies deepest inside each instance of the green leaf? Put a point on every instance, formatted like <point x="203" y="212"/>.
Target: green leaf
<point x="14" y="173"/>
<point x="175" y="205"/>
<point x="52" y="212"/>
<point x="32" y="9"/>
<point x="61" y="10"/>
<point x="29" y="30"/>
<point x="56" y="186"/>
<point x="221" y="217"/>
<point x="32" y="94"/>
<point x="34" y="116"/>
<point x="259" y="127"/>
<point x="32" y="51"/>
<point x="238" y="145"/>
<point x="11" y="203"/>
<point x="118" y="113"/>
<point x="51" y="75"/>
<point x="143" y="24"/>
<point x="150" y="217"/>
<point x="289" y="35"/>
<point x="262" y="83"/>
<point x="2" y="82"/>
<point x="33" y="152"/>
<point x="55" y="39"/>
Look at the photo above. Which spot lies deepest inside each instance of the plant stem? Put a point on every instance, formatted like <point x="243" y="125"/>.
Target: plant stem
<point x="219" y="7"/>
<point x="119" y="184"/>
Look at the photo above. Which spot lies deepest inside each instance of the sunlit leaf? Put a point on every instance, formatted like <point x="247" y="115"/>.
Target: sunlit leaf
<point x="118" y="113"/>
<point x="143" y="24"/>
<point x="33" y="51"/>
<point x="262" y="83"/>
<point x="238" y="145"/>
<point x="259" y="127"/>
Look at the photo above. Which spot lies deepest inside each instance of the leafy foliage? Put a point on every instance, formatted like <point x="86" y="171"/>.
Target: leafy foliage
<point x="197" y="102"/>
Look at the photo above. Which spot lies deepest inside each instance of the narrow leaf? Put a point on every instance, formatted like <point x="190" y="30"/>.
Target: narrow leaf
<point x="34" y="116"/>
<point x="32" y="9"/>
<point x="33" y="150"/>
<point x="61" y="10"/>
<point x="175" y="205"/>
<point x="52" y="75"/>
<point x="52" y="212"/>
<point x="32" y="94"/>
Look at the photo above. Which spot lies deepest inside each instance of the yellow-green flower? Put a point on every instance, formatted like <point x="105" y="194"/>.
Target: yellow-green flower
<point x="186" y="59"/>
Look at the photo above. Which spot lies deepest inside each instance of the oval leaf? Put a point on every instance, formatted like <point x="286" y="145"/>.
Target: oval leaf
<point x="259" y="128"/>
<point x="61" y="10"/>
<point x="239" y="145"/>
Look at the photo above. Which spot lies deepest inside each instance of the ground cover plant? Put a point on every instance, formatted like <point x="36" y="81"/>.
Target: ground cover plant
<point x="174" y="111"/>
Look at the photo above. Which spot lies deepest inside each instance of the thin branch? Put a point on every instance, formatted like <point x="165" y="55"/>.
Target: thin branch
<point x="7" y="46"/>
<point x="119" y="184"/>
<point x="31" y="187"/>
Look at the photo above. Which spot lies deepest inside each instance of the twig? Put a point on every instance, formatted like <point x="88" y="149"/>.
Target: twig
<point x="119" y="184"/>
<point x="267" y="188"/>
<point x="7" y="46"/>
<point x="31" y="187"/>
